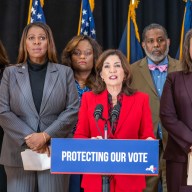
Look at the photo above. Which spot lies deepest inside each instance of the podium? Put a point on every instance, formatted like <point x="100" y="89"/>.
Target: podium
<point x="104" y="157"/>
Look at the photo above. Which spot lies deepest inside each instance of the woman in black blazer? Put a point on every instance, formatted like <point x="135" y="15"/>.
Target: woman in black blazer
<point x="176" y="117"/>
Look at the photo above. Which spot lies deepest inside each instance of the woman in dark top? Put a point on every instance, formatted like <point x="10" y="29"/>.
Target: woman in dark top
<point x="4" y="61"/>
<point x="81" y="54"/>
<point x="176" y="110"/>
<point x="38" y="101"/>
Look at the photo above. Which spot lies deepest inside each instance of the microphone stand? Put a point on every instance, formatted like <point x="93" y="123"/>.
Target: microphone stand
<point x="105" y="178"/>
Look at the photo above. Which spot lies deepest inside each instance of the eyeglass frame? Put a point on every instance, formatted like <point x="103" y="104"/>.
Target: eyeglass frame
<point x="78" y="53"/>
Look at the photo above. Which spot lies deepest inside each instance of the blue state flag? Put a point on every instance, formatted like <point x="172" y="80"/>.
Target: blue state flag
<point x="86" y="21"/>
<point x="130" y="41"/>
<point x="187" y="24"/>
<point x="36" y="11"/>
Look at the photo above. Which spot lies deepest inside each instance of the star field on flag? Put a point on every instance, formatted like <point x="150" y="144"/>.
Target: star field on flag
<point x="37" y="14"/>
<point x="87" y="20"/>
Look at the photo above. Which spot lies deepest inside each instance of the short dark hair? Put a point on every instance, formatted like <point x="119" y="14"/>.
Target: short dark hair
<point x="153" y="26"/>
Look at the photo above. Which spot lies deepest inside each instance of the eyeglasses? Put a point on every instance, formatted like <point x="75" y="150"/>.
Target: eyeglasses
<point x="78" y="53"/>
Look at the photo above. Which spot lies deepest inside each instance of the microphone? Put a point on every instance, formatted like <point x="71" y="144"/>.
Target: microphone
<point x="114" y="115"/>
<point x="115" y="112"/>
<point x="98" y="112"/>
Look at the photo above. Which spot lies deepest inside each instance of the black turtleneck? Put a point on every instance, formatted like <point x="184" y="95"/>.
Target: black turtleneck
<point x="37" y="74"/>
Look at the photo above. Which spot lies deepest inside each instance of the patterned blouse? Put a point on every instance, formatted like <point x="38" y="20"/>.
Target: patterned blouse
<point x="81" y="90"/>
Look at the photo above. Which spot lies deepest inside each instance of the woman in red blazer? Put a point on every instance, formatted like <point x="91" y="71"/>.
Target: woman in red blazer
<point x="112" y="88"/>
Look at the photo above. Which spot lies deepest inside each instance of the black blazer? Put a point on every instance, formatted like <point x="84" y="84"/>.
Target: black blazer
<point x="176" y="115"/>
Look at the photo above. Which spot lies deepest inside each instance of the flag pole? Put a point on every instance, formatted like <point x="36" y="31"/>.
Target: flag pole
<point x="29" y="13"/>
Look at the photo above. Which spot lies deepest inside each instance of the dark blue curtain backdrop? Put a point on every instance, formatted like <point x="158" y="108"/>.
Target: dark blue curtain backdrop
<point x="110" y="20"/>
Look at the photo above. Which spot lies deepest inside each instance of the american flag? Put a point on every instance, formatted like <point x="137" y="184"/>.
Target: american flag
<point x="37" y="14"/>
<point x="87" y="24"/>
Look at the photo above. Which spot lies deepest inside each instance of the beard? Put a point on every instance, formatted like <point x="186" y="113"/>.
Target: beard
<point x="157" y="59"/>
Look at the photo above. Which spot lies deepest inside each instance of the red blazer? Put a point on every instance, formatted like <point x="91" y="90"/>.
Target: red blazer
<point x="135" y="122"/>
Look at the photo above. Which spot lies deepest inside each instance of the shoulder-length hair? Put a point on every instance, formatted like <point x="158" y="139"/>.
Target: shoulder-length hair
<point x="51" y="52"/>
<point x="186" y="58"/>
<point x="66" y="57"/>
<point x="100" y="85"/>
<point x="4" y="60"/>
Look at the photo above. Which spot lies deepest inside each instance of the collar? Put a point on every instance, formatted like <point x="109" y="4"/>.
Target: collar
<point x="163" y="62"/>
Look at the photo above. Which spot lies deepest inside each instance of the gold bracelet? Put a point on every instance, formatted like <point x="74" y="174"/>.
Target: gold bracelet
<point x="44" y="137"/>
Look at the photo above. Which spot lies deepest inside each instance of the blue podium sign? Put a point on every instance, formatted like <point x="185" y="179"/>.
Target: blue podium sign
<point x="91" y="156"/>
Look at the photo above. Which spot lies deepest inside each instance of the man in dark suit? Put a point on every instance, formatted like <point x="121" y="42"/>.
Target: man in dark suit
<point x="149" y="75"/>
